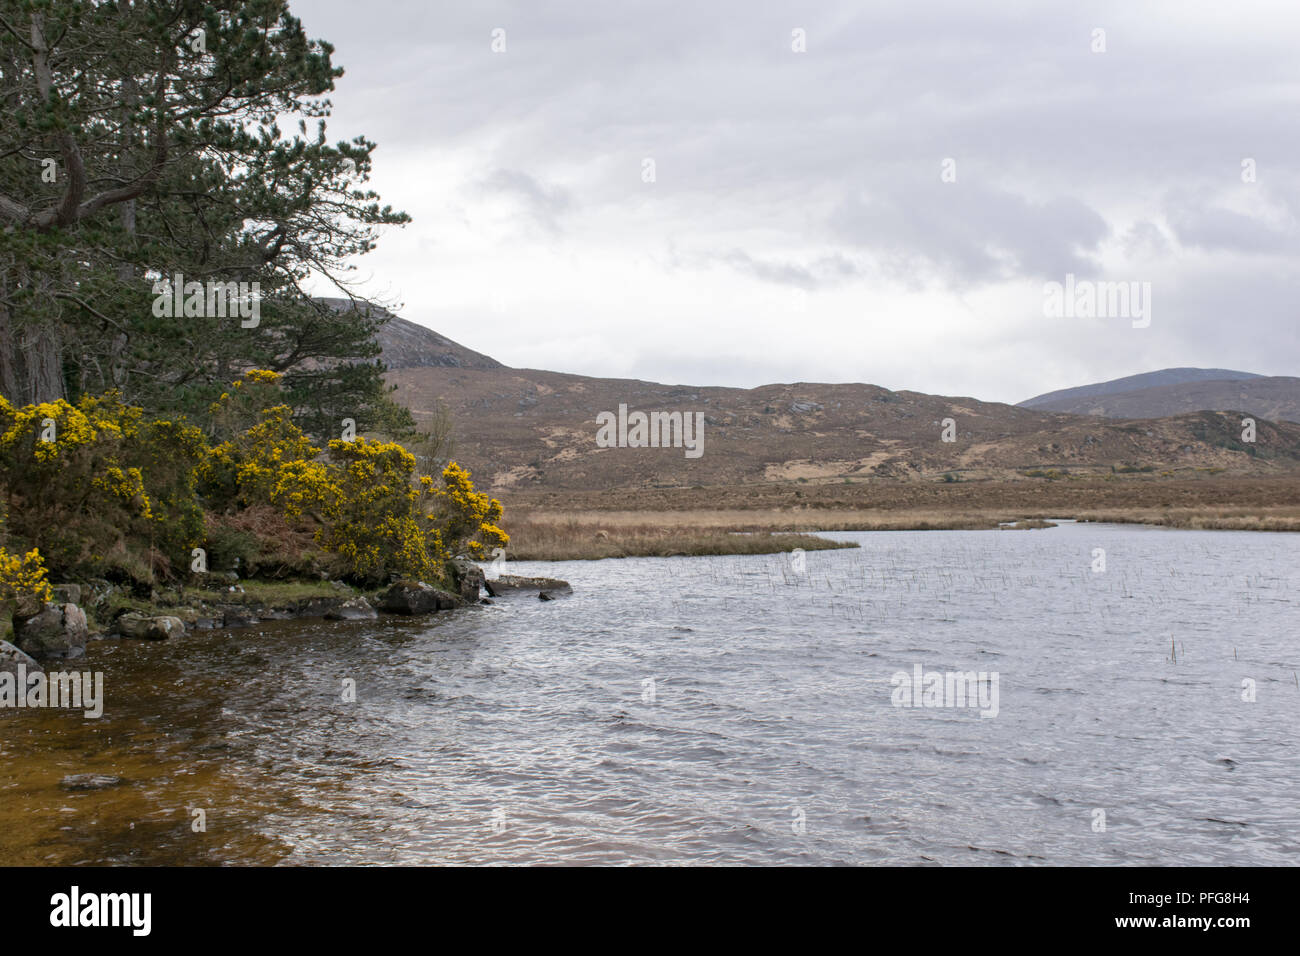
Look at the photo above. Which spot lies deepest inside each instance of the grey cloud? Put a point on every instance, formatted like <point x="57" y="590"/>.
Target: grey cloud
<point x="819" y="272"/>
<point x="543" y="204"/>
<point x="1215" y="227"/>
<point x="971" y="232"/>
<point x="769" y="161"/>
<point x="1145" y="240"/>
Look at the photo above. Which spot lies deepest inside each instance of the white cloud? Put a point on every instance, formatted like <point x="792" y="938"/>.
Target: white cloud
<point x="797" y="227"/>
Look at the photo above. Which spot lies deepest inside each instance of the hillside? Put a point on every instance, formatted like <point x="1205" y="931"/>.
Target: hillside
<point x="1066" y="399"/>
<point x="408" y="345"/>
<point x="526" y="429"/>
<point x="1274" y="398"/>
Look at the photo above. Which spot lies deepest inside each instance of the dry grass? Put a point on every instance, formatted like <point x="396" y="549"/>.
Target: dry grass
<point x="553" y="526"/>
<point x="1226" y="519"/>
<point x="570" y="538"/>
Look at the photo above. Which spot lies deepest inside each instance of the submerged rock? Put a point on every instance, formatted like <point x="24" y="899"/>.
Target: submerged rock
<point x="416" y="597"/>
<point x="239" y="616"/>
<point x="90" y="781"/>
<point x="57" y="630"/>
<point x="276" y="614"/>
<point x="507" y="583"/>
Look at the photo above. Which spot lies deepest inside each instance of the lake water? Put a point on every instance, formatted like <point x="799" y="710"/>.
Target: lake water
<point x="527" y="731"/>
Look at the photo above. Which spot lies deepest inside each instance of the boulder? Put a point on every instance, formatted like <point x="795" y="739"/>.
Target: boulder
<point x="57" y="630"/>
<point x="353" y="609"/>
<point x="469" y="579"/>
<point x="67" y="594"/>
<point x="11" y="657"/>
<point x="508" y="583"/>
<point x="238" y="615"/>
<point x="135" y="625"/>
<point x="416" y="597"/>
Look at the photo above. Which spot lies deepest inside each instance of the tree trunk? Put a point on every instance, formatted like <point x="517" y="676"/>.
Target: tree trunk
<point x="43" y="354"/>
<point x="9" y="384"/>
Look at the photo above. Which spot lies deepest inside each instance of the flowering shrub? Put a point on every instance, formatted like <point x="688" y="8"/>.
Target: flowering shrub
<point x="69" y="476"/>
<point x="23" y="577"/>
<point x="370" y="508"/>
<point x="245" y="468"/>
<point x="100" y="476"/>
<point x="468" y="517"/>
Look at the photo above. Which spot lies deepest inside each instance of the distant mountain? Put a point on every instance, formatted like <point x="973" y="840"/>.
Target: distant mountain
<point x="519" y="429"/>
<point x="1177" y="391"/>
<point x="1065" y="399"/>
<point x="407" y="345"/>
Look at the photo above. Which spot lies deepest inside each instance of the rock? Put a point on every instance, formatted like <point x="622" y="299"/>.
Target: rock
<point x="353" y="609"/>
<point x="100" y="590"/>
<point x="57" y="630"/>
<point x="27" y="605"/>
<point x="238" y="616"/>
<point x="67" y="594"/>
<point x="90" y="781"/>
<point x="507" y="583"/>
<point x="469" y="579"/>
<point x="416" y="597"/>
<point x="188" y="615"/>
<point x="135" y="625"/>
<point x="543" y="596"/>
<point x="11" y="657"/>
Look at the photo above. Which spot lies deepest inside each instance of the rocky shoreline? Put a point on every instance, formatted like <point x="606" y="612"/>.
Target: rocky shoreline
<point x="61" y="629"/>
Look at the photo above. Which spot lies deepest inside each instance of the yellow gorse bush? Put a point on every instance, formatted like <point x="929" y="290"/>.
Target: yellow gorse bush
<point x="23" y="576"/>
<point x="75" y="481"/>
<point x="82" y="478"/>
<point x="374" y="510"/>
<point x="468" y="515"/>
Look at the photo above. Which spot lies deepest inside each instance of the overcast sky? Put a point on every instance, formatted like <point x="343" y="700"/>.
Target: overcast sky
<point x="798" y="226"/>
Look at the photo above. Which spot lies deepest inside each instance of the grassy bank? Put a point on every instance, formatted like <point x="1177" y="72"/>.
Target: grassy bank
<point x="762" y="518"/>
<point x="566" y="538"/>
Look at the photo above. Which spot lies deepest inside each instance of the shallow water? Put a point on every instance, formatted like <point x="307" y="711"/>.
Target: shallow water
<point x="522" y="732"/>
